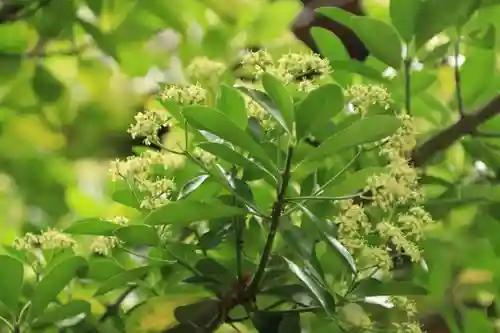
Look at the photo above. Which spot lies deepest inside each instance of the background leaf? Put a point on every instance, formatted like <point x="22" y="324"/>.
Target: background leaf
<point x="11" y="282"/>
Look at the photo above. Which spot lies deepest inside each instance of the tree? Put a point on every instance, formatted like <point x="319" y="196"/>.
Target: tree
<point x="232" y="183"/>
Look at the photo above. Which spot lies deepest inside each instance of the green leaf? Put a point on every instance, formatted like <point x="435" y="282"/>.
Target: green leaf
<point x="101" y="269"/>
<point x="69" y="310"/>
<point x="203" y="313"/>
<point x="216" y="122"/>
<point x="138" y="235"/>
<point x="437" y="15"/>
<point x="329" y="44"/>
<point x="374" y="287"/>
<point x="338" y="249"/>
<point x="125" y="194"/>
<point x="103" y="41"/>
<point x="92" y="226"/>
<point x="281" y="98"/>
<point x="187" y="211"/>
<point x="11" y="281"/>
<point x="224" y="152"/>
<point x="324" y="298"/>
<point x="404" y="14"/>
<point x="476" y="74"/>
<point x="265" y="101"/>
<point x="232" y="104"/>
<point x="380" y="39"/>
<point x="45" y="85"/>
<point x="191" y="186"/>
<point x="210" y="268"/>
<point x="363" y="131"/>
<point x="319" y="106"/>
<point x="290" y="323"/>
<point x="338" y="14"/>
<point x="53" y="283"/>
<point x="352" y="183"/>
<point x="122" y="279"/>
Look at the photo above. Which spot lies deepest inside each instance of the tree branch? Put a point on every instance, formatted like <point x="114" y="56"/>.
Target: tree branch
<point x="468" y="124"/>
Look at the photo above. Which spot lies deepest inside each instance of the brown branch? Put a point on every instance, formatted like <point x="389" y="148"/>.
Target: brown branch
<point x="468" y="124"/>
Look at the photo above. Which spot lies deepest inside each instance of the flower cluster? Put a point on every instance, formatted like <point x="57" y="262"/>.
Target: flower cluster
<point x="147" y="124"/>
<point x="205" y="70"/>
<point x="49" y="239"/>
<point x="184" y="95"/>
<point x="291" y="68"/>
<point x="398" y="185"/>
<point x="102" y="245"/>
<point x="140" y="172"/>
<point x="362" y="96"/>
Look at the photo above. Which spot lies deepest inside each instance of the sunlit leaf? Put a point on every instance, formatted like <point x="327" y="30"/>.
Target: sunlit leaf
<point x="93" y="226"/>
<point x="281" y="98"/>
<point x="53" y="283"/>
<point x="11" y="281"/>
<point x="231" y="102"/>
<point x="404" y="15"/>
<point x="138" y="235"/>
<point x="61" y="312"/>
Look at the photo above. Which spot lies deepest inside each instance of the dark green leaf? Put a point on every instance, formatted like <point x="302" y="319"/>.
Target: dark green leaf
<point x="232" y="104"/>
<point x="374" y="287"/>
<point x="95" y="6"/>
<point x="53" y="283"/>
<point x="62" y="312"/>
<point x="138" y="235"/>
<point x="103" y="41"/>
<point x="267" y="321"/>
<point x="322" y="295"/>
<point x="281" y="98"/>
<point x="125" y="194"/>
<point x="404" y="15"/>
<point x="187" y="211"/>
<point x="216" y="122"/>
<point x="380" y="39"/>
<point x="290" y="323"/>
<point x="11" y="281"/>
<point x="191" y="186"/>
<point x="54" y="17"/>
<point x="93" y="226"/>
<point x="329" y="44"/>
<point x="204" y="313"/>
<point x="366" y="130"/>
<point x="47" y="87"/>
<point x="224" y="152"/>
<point x="212" y="269"/>
<point x="122" y="279"/>
<point x="319" y="106"/>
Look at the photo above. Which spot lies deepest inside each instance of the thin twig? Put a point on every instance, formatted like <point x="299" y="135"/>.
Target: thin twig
<point x="458" y="80"/>
<point x="325" y="198"/>
<point x="275" y="220"/>
<point x="407" y="75"/>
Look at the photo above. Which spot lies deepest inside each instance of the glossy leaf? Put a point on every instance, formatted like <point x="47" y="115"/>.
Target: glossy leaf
<point x="53" y="283"/>
<point x="380" y="39"/>
<point x="191" y="186"/>
<point x="61" y="312"/>
<point x="281" y="98"/>
<point x="338" y="249"/>
<point x="48" y="88"/>
<point x="229" y="155"/>
<point x="92" y="226"/>
<point x="366" y="130"/>
<point x="321" y="294"/>
<point x="329" y="44"/>
<point x="216" y="122"/>
<point x="352" y="183"/>
<point x="265" y="101"/>
<point x="187" y="211"/>
<point x="319" y="106"/>
<point x="138" y="235"/>
<point x="231" y="102"/>
<point x="122" y="279"/>
<point x="404" y="14"/>
<point x="11" y="281"/>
